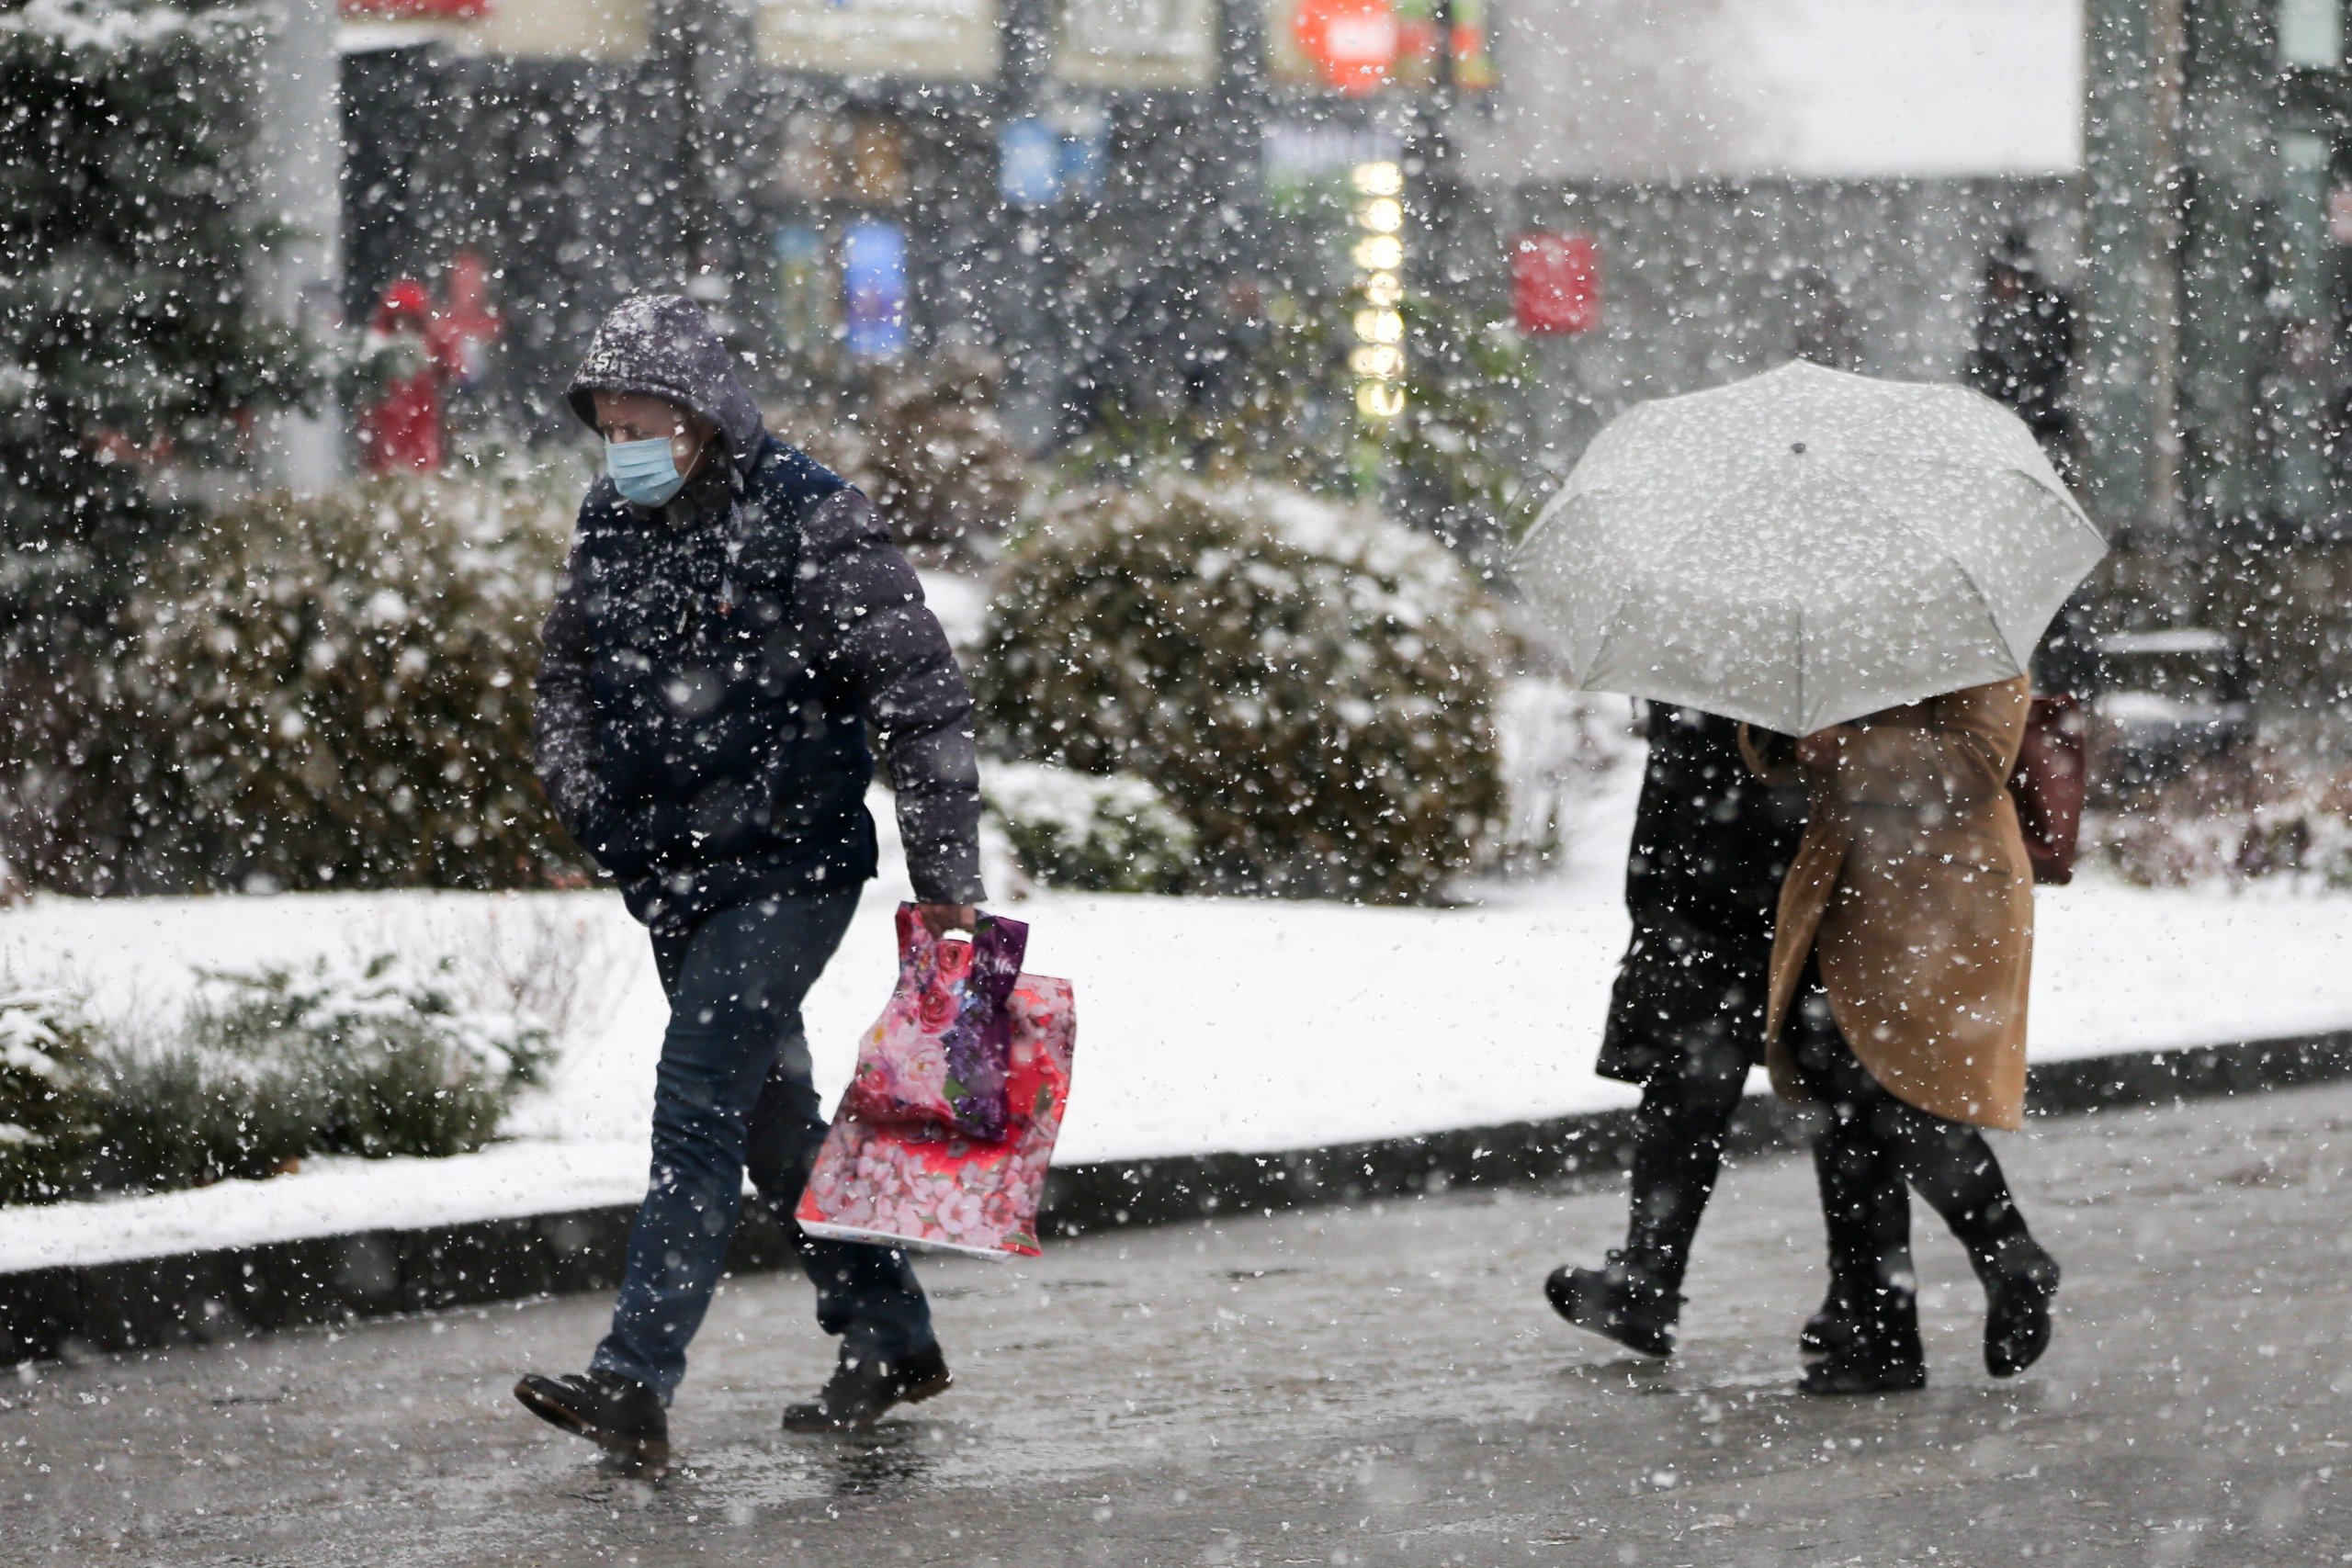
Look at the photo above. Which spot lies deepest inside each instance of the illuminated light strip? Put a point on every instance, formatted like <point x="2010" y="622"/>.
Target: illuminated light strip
<point x="1377" y="361"/>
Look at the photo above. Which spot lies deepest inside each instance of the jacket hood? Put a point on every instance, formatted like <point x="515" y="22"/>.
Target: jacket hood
<point x="662" y="345"/>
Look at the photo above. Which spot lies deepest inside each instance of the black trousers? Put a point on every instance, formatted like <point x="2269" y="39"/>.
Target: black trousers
<point x="733" y="1095"/>
<point x="1687" y="1101"/>
<point x="1872" y="1148"/>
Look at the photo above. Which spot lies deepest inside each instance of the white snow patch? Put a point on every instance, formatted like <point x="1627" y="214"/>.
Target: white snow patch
<point x="1205" y="1024"/>
<point x="961" y="603"/>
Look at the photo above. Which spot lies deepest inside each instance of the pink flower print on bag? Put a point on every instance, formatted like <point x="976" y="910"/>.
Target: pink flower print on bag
<point x="937" y="1055"/>
<point x="917" y="1184"/>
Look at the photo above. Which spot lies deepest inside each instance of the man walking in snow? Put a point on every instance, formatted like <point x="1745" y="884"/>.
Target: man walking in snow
<point x="732" y="618"/>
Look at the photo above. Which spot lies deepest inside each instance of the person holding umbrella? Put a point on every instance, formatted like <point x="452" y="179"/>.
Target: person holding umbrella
<point x="1858" y="571"/>
<point x="1900" y="963"/>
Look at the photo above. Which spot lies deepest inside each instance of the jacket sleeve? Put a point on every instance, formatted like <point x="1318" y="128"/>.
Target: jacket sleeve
<point x="1961" y="751"/>
<point x="564" y="748"/>
<point x="867" y="608"/>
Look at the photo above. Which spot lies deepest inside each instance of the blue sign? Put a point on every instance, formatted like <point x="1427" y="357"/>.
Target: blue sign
<point x="1029" y="163"/>
<point x="1086" y="153"/>
<point x="874" y="289"/>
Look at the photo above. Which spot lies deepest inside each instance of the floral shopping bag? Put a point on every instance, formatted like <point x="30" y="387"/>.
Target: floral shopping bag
<point x="936" y="1056"/>
<point x="922" y="1185"/>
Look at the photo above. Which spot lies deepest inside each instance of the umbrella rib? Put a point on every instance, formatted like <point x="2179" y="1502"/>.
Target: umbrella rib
<point x="1798" y="604"/>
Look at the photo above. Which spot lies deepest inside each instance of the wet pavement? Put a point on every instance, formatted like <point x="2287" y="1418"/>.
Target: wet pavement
<point x="1376" y="1386"/>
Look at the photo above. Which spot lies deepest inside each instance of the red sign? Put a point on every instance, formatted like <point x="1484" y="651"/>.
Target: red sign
<point x="417" y="10"/>
<point x="1351" y="42"/>
<point x="1555" y="283"/>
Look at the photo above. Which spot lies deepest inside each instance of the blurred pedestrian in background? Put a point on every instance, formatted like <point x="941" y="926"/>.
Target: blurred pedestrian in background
<point x="400" y="422"/>
<point x="1824" y="332"/>
<point x="1900" y="967"/>
<point x="2024" y="359"/>
<point x="466" y="331"/>
<point x="2024" y="353"/>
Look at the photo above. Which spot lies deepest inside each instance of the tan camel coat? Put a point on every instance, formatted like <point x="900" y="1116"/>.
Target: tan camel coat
<point x="1913" y="887"/>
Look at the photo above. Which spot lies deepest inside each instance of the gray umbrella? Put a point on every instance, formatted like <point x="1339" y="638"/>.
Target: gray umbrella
<point x="1805" y="546"/>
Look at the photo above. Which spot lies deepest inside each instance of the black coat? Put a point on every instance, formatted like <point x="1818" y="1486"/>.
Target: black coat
<point x="2024" y="353"/>
<point x="1711" y="843"/>
<point x="710" y="670"/>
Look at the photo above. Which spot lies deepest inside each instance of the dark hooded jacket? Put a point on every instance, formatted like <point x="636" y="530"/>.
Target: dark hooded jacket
<point x="1712" y="844"/>
<point x="711" y="667"/>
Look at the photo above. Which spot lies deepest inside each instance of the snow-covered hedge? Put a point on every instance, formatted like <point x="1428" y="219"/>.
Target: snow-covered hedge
<point x="1559" y="745"/>
<point x="1104" y="833"/>
<point x="1310" y="685"/>
<point x="337" y="691"/>
<point x="373" y="1058"/>
<point x="927" y="445"/>
<point x="48" y="1097"/>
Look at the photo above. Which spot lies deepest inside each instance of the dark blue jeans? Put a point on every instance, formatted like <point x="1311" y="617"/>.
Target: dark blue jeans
<point x="733" y="1095"/>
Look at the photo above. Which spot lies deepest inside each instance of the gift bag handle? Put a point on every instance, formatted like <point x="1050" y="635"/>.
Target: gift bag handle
<point x="992" y="935"/>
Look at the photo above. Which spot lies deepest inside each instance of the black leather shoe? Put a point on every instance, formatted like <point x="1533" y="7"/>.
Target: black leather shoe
<point x="864" y="1385"/>
<point x="622" y="1418"/>
<point x="2019" y="1281"/>
<point x="1617" y="1303"/>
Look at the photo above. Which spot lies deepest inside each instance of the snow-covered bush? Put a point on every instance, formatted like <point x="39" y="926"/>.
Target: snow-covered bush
<point x="1310" y="685"/>
<point x="339" y="690"/>
<point x="48" y="1097"/>
<point x="1105" y="833"/>
<point x="2232" y="820"/>
<point x="925" y="442"/>
<point x="374" y="1059"/>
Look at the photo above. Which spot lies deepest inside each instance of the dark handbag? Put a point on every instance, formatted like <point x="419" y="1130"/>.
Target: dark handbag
<point x="2047" y="785"/>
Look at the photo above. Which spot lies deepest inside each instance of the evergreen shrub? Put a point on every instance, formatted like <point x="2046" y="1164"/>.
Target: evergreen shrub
<point x="1310" y="685"/>
<point x="1111" y="833"/>
<point x="927" y="445"/>
<point x="48" y="1097"/>
<point x="134" y="342"/>
<point x="372" y="1059"/>
<point x="339" y="688"/>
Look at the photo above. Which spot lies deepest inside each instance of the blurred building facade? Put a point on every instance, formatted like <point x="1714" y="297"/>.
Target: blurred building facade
<point x="1697" y="282"/>
<point x="2218" y="399"/>
<point x="842" y="180"/>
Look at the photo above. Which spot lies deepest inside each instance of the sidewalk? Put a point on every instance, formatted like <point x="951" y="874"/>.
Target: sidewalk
<point x="1375" y="1385"/>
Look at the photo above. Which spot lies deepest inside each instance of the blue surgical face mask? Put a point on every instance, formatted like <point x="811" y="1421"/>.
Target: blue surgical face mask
<point x="644" y="472"/>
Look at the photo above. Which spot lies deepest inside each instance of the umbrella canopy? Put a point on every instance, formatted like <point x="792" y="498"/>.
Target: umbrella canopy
<point x="1805" y="546"/>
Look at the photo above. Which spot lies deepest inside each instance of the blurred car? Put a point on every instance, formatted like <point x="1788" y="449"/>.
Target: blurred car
<point x="2165" y="701"/>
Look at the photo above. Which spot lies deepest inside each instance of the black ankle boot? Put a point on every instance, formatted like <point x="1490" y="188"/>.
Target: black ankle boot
<point x="863" y="1385"/>
<point x="622" y="1418"/>
<point x="1883" y="1354"/>
<point x="1835" y="1325"/>
<point x="1619" y="1301"/>
<point x="2019" y="1280"/>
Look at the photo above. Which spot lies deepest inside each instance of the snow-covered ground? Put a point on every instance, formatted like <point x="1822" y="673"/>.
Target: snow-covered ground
<point x="1205" y="1024"/>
